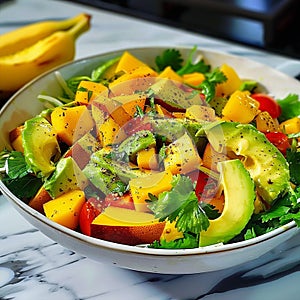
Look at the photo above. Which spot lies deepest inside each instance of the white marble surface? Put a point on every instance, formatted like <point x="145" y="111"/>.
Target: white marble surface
<point x="34" y="267"/>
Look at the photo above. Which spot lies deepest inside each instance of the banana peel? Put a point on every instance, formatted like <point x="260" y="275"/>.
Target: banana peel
<point x="37" y="48"/>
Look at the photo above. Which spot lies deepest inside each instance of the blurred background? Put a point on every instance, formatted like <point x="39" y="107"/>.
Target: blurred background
<point x="273" y="25"/>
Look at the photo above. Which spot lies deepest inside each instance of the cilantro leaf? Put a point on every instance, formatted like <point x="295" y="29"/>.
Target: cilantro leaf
<point x="189" y="241"/>
<point x="290" y="107"/>
<point x="180" y="204"/>
<point x="191" y="67"/>
<point x="169" y="57"/>
<point x="208" y="86"/>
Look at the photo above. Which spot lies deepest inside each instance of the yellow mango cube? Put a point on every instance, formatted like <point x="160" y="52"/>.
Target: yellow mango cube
<point x="65" y="209"/>
<point x="154" y="183"/>
<point x="240" y="107"/>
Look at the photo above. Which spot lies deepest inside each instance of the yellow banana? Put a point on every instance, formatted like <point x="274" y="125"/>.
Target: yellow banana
<point x="23" y="37"/>
<point x="57" y="48"/>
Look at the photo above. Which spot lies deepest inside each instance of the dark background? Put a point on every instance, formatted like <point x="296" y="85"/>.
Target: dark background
<point x="273" y="25"/>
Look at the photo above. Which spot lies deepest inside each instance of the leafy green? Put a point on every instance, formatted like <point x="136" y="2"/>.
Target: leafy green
<point x="169" y="57"/>
<point x="248" y="85"/>
<point x="293" y="159"/>
<point x="290" y="107"/>
<point x="187" y="242"/>
<point x="180" y="205"/>
<point x="191" y="67"/>
<point x="173" y="58"/>
<point x="284" y="210"/>
<point x="18" y="177"/>
<point x="96" y="74"/>
<point x="208" y="86"/>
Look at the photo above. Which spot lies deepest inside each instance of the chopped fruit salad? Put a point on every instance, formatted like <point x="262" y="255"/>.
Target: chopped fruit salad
<point x="170" y="155"/>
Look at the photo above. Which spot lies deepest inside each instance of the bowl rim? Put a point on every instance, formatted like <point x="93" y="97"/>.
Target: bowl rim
<point x="216" y="248"/>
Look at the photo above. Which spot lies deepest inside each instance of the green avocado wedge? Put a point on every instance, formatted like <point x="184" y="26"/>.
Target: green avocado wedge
<point x="239" y="194"/>
<point x="40" y="146"/>
<point x="265" y="163"/>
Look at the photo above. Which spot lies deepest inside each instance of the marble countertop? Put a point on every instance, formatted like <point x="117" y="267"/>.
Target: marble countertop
<point x="34" y="267"/>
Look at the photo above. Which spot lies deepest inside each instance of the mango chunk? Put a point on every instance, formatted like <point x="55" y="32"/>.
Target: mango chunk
<point x="65" y="209"/>
<point x="71" y="123"/>
<point x="126" y="226"/>
<point x="88" y="90"/>
<point x="240" y="107"/>
<point x="154" y="183"/>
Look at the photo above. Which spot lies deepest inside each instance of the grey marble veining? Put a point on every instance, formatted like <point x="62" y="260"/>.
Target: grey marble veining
<point x="34" y="267"/>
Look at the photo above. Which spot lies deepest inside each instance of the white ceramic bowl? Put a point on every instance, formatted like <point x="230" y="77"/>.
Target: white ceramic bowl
<point x="24" y="105"/>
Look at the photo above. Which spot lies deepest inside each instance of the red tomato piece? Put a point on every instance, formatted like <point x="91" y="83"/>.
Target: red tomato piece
<point x="206" y="186"/>
<point x="89" y="211"/>
<point x="123" y="201"/>
<point x="279" y="140"/>
<point x="267" y="103"/>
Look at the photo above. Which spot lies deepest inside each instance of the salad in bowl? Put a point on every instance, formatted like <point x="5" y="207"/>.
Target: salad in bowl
<point x="167" y="153"/>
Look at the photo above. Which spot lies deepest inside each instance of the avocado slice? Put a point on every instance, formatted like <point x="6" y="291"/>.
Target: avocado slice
<point x="40" y="146"/>
<point x="66" y="177"/>
<point x="107" y="165"/>
<point x="265" y="163"/>
<point x="103" y="179"/>
<point x="172" y="96"/>
<point x="239" y="195"/>
<point x="136" y="142"/>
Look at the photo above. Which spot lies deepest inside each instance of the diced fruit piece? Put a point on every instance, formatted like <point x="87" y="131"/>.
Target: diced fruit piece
<point x="265" y="163"/>
<point x="232" y="83"/>
<point x="82" y="150"/>
<point x="170" y="232"/>
<point x="211" y="158"/>
<point x="126" y="226"/>
<point x="169" y="73"/>
<point x="147" y="159"/>
<point x="136" y="142"/>
<point x="40" y="145"/>
<point x="239" y="204"/>
<point x="200" y="113"/>
<point x="240" y="107"/>
<point x="154" y="184"/>
<point x="41" y="197"/>
<point x="15" y="138"/>
<point x="182" y="156"/>
<point x="267" y="103"/>
<point x="114" y="108"/>
<point x="123" y="201"/>
<point x="127" y="63"/>
<point x="108" y="132"/>
<point x="131" y="102"/>
<point x="279" y="140"/>
<point x="66" y="177"/>
<point x="208" y="191"/>
<point x="291" y="125"/>
<point x="193" y="79"/>
<point x="265" y="123"/>
<point x="88" y="90"/>
<point x="89" y="211"/>
<point x="135" y="80"/>
<point x="65" y="209"/>
<point x="161" y="111"/>
<point x="173" y="97"/>
<point x="71" y="123"/>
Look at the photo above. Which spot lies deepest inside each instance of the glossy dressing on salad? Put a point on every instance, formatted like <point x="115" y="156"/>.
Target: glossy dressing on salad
<point x="174" y="155"/>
